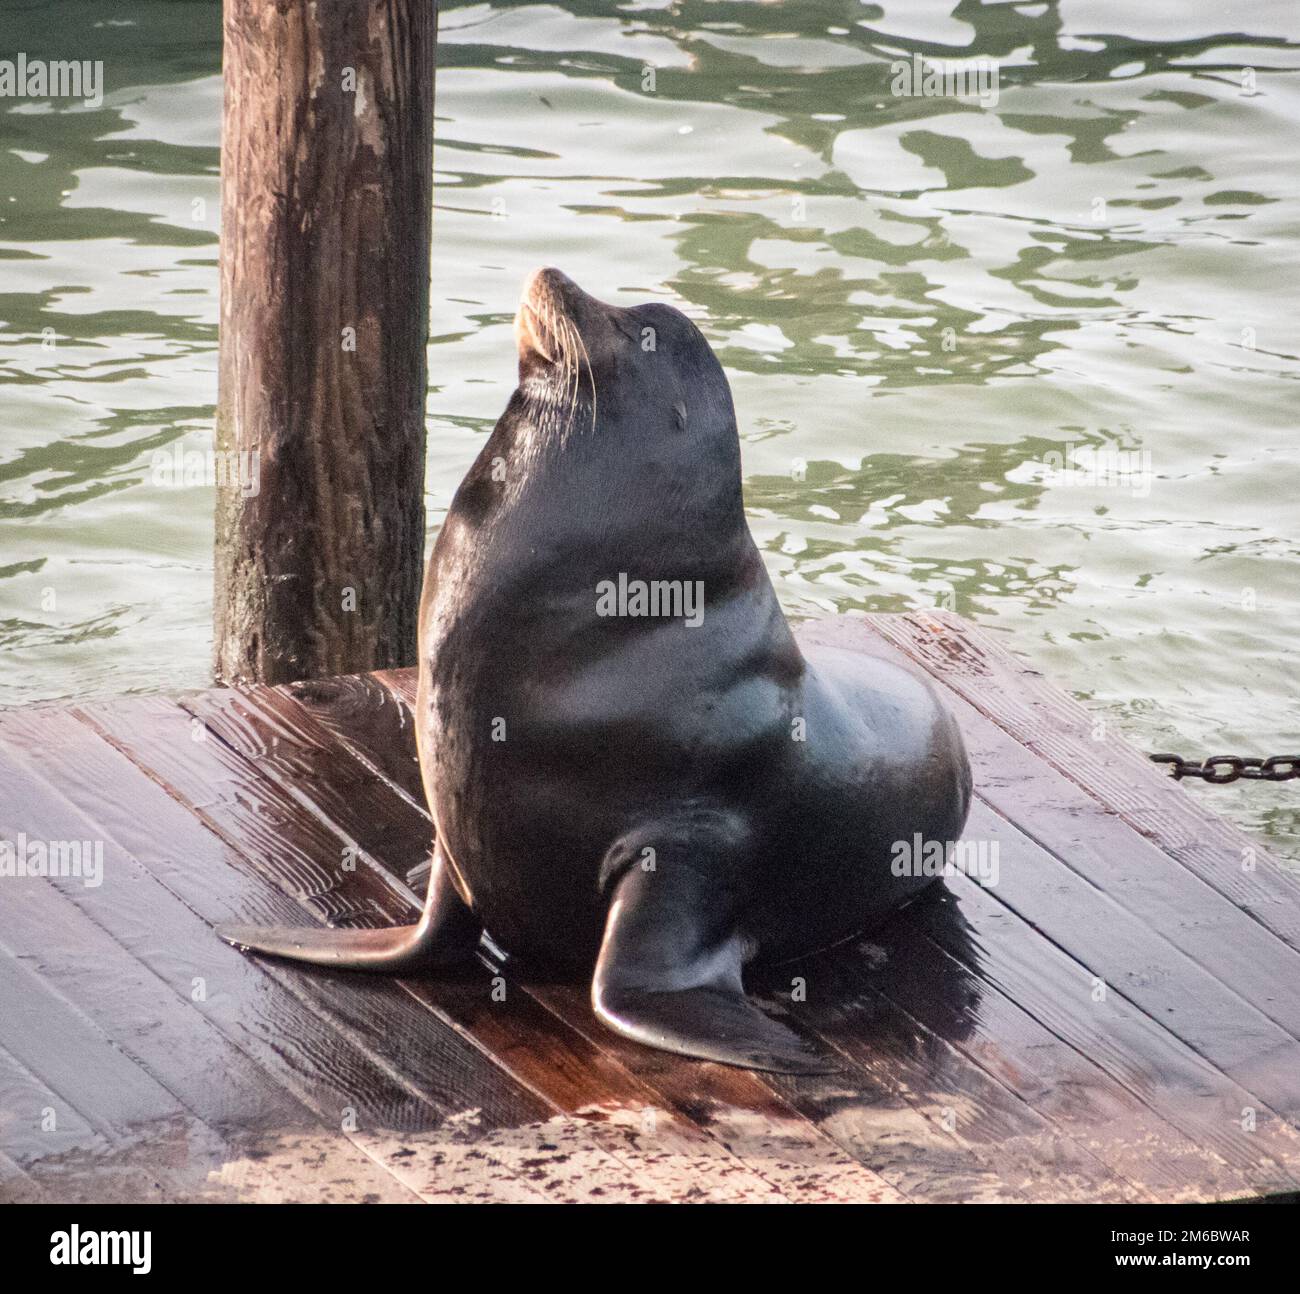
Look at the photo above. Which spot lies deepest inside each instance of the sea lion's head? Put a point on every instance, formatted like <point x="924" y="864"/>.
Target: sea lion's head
<point x="643" y="371"/>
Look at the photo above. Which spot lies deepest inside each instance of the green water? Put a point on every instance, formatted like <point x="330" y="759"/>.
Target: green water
<point x="919" y="301"/>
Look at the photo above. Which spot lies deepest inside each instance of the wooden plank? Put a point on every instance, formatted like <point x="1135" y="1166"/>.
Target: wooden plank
<point x="668" y="1152"/>
<point x="535" y="1047"/>
<point x="283" y="747"/>
<point x="1005" y="1133"/>
<point x="1215" y="1020"/>
<point x="245" y="1128"/>
<point x="155" y="1024"/>
<point x="848" y="1006"/>
<point x="247" y="1139"/>
<point x="101" y="1085"/>
<point x="870" y="1118"/>
<point x="103" y="1088"/>
<point x="680" y="1082"/>
<point x="1112" y="855"/>
<point x="1065" y="1085"/>
<point x="1227" y="1030"/>
<point x="1180" y="1086"/>
<point x="19" y="1187"/>
<point x="736" y="1108"/>
<point x="313" y="1033"/>
<point x="1056" y="727"/>
<point x="36" y="1122"/>
<point x="70" y="1162"/>
<point x="1012" y="1085"/>
<point x="289" y="844"/>
<point x="153" y="1018"/>
<point x="1176" y="994"/>
<point x="282" y="840"/>
<point x="162" y="922"/>
<point x="549" y="1157"/>
<point x="857" y="1127"/>
<point x="372" y="720"/>
<point x="1088" y="1176"/>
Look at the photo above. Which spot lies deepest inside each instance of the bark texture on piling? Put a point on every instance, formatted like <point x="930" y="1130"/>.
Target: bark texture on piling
<point x="326" y="165"/>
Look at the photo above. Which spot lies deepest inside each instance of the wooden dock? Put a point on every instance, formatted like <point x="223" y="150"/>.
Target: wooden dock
<point x="1116" y="1019"/>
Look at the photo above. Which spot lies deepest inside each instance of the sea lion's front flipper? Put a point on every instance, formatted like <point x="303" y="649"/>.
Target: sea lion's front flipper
<point x="446" y="933"/>
<point x="669" y="970"/>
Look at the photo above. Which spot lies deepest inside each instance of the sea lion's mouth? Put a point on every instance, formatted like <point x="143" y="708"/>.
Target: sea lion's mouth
<point x="533" y="335"/>
<point x="554" y="363"/>
<point x="544" y="324"/>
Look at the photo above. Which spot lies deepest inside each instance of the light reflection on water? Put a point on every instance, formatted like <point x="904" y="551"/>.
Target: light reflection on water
<point x="918" y="301"/>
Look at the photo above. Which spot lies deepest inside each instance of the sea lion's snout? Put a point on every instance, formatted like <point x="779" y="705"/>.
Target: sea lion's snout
<point x="548" y="284"/>
<point x="532" y="335"/>
<point x="547" y="306"/>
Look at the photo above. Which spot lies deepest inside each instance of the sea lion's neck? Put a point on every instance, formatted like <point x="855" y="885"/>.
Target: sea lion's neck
<point x="612" y="483"/>
<point x="563" y="547"/>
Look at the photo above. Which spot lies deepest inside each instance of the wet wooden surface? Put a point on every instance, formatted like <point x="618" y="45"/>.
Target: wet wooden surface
<point x="1116" y="1018"/>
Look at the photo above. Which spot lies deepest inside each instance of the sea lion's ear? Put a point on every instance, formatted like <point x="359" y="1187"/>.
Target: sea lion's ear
<point x="679" y="413"/>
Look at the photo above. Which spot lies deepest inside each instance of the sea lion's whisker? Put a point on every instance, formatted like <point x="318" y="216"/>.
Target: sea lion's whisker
<point x="555" y="326"/>
<point x="591" y="374"/>
<point x="571" y="351"/>
<point x="570" y="374"/>
<point x="565" y="331"/>
<point x="576" y="342"/>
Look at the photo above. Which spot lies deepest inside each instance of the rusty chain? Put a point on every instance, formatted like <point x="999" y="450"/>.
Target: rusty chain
<point x="1222" y="769"/>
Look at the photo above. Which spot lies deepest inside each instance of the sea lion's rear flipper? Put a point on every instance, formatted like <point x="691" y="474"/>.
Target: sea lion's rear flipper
<point x="446" y="933"/>
<point x="669" y="970"/>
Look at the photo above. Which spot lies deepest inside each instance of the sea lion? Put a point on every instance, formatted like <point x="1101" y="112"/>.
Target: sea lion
<point x="630" y="764"/>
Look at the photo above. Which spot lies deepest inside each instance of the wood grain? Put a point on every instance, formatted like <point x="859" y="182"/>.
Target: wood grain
<point x="1117" y="1017"/>
<point x="327" y="202"/>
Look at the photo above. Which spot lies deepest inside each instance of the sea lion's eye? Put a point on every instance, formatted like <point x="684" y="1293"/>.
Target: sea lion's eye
<point x="679" y="414"/>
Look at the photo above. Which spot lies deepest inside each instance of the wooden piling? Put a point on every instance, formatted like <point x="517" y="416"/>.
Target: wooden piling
<point x="326" y="165"/>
